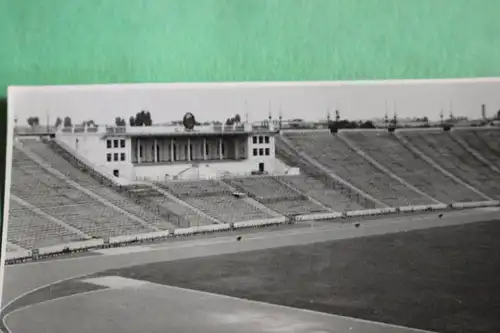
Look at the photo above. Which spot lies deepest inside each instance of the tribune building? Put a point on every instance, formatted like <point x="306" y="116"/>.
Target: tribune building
<point x="160" y="152"/>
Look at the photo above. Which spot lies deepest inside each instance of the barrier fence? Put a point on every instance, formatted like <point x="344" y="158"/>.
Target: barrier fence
<point x="81" y="246"/>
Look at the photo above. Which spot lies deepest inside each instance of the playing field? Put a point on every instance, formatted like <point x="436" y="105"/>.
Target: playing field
<point x="443" y="279"/>
<point x="440" y="279"/>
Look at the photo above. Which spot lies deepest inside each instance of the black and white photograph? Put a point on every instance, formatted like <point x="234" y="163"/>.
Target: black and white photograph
<point x="278" y="207"/>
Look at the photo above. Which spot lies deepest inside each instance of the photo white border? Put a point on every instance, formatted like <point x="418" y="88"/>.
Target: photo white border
<point x="253" y="84"/>
<point x="7" y="184"/>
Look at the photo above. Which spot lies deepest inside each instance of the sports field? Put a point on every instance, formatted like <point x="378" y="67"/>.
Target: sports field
<point x="441" y="279"/>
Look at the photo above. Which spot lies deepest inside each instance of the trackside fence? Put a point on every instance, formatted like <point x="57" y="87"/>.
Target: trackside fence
<point x="83" y="246"/>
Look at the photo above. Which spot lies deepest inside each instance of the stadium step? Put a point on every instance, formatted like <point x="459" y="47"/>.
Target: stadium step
<point x="474" y="152"/>
<point x="367" y="157"/>
<point x="493" y="144"/>
<point x="14" y="247"/>
<point x="61" y="176"/>
<point x="254" y="202"/>
<point x="40" y="212"/>
<point x="304" y="194"/>
<point x="331" y="174"/>
<point x="185" y="204"/>
<point x="429" y="160"/>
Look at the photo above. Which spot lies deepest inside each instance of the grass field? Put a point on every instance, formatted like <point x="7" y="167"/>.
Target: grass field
<point x="441" y="279"/>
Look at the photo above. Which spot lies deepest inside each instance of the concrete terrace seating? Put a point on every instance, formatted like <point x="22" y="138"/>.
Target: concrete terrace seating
<point x="482" y="142"/>
<point x="275" y="195"/>
<point x="334" y="154"/>
<point x="215" y="198"/>
<point x="265" y="189"/>
<point x="389" y="151"/>
<point x="451" y="156"/>
<point x="87" y="181"/>
<point x="199" y="188"/>
<point x="30" y="230"/>
<point x="66" y="203"/>
<point x="143" y="191"/>
<point x="227" y="208"/>
<point x="491" y="138"/>
<point x="319" y="191"/>
<point x="185" y="216"/>
<point x="10" y="248"/>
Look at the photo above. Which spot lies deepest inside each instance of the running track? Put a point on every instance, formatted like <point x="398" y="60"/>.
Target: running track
<point x="24" y="278"/>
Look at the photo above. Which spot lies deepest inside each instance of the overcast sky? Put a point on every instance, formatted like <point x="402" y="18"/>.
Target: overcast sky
<point x="212" y="101"/>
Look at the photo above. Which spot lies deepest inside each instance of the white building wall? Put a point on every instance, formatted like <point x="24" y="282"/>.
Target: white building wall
<point x="211" y="170"/>
<point x="93" y="149"/>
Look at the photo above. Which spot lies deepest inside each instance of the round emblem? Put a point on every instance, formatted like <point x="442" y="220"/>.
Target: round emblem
<point x="189" y="120"/>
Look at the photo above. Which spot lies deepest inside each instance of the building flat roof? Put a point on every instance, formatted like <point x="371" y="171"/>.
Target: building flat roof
<point x="169" y="131"/>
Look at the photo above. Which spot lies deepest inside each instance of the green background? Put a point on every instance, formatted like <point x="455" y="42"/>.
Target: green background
<point x="108" y="41"/>
<point x="104" y="41"/>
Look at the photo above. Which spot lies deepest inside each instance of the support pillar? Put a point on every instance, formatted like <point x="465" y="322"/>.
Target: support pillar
<point x="155" y="152"/>
<point x="204" y="149"/>
<point x="138" y="150"/>
<point x="220" y="148"/>
<point x="171" y="150"/>
<point x="189" y="150"/>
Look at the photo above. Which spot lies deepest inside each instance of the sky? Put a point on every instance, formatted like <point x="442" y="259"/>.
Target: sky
<point x="219" y="101"/>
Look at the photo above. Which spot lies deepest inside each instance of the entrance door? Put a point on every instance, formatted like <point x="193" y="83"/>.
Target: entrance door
<point x="116" y="173"/>
<point x="261" y="167"/>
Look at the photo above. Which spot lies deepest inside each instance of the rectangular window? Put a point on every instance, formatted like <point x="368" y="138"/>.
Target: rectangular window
<point x="255" y="152"/>
<point x="122" y="143"/>
<point x="115" y="143"/>
<point x="261" y="151"/>
<point x="115" y="156"/>
<point x="267" y="151"/>
<point x="122" y="157"/>
<point x="108" y="143"/>
<point x="261" y="139"/>
<point x="254" y="139"/>
<point x="266" y="139"/>
<point x="109" y="157"/>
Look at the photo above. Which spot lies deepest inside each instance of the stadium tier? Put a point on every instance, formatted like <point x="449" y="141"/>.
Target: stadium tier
<point x="450" y="155"/>
<point x="390" y="152"/>
<point x="317" y="189"/>
<point x="56" y="197"/>
<point x="276" y="195"/>
<point x="215" y="199"/>
<point x="63" y="193"/>
<point x="491" y="138"/>
<point x="31" y="230"/>
<point x="345" y="162"/>
<point x="60" y="164"/>
<point x="485" y="142"/>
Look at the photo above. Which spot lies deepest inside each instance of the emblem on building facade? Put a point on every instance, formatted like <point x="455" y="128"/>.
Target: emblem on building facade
<point x="189" y="121"/>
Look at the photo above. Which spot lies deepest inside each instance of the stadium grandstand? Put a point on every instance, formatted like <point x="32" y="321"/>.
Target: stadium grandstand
<point x="91" y="184"/>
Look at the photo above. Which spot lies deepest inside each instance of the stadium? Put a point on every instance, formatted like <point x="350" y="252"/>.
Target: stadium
<point x="254" y="228"/>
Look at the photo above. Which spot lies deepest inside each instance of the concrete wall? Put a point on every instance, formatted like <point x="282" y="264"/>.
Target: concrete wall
<point x="93" y="149"/>
<point x="210" y="170"/>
